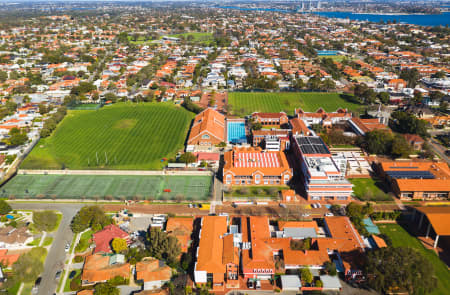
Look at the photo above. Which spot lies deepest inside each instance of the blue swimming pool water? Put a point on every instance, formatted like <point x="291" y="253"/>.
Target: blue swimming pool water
<point x="327" y="52"/>
<point x="236" y="132"/>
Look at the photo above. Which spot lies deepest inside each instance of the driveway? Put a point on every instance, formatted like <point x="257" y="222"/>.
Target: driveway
<point x="56" y="255"/>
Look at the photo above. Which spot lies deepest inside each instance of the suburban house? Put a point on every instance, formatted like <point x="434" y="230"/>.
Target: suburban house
<point x="415" y="141"/>
<point x="103" y="238"/>
<point x="11" y="237"/>
<point x="208" y="130"/>
<point x="252" y="166"/>
<point x="153" y="273"/>
<point x="181" y="228"/>
<point x="100" y="268"/>
<point x="415" y="180"/>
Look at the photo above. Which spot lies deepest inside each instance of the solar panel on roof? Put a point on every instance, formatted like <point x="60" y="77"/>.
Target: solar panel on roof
<point x="411" y="174"/>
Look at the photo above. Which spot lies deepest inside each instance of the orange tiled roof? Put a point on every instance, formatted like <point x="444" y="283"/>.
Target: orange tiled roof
<point x="208" y="122"/>
<point x="151" y="269"/>
<point x="97" y="269"/>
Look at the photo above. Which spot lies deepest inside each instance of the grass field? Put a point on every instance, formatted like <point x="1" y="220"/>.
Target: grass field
<point x="245" y="103"/>
<point x="198" y="37"/>
<point x="121" y="136"/>
<point x="401" y="238"/>
<point x="111" y="186"/>
<point x="369" y="189"/>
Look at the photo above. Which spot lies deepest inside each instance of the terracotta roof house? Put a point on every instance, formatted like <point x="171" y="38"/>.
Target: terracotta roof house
<point x="86" y="292"/>
<point x="153" y="273"/>
<point x="252" y="166"/>
<point x="207" y="130"/>
<point x="362" y="126"/>
<point x="100" y="268"/>
<point x="103" y="238"/>
<point x="415" y="141"/>
<point x="271" y="119"/>
<point x="416" y="180"/>
<point x="14" y="237"/>
<point x="8" y="259"/>
<point x="181" y="228"/>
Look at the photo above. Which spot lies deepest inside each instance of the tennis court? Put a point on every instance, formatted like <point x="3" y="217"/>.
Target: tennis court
<point x="108" y="187"/>
<point x="236" y="132"/>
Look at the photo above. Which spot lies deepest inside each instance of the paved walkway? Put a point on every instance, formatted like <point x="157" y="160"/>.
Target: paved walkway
<point x="20" y="289"/>
<point x="68" y="265"/>
<point x="41" y="242"/>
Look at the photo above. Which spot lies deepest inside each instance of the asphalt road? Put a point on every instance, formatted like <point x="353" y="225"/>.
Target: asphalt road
<point x="56" y="256"/>
<point x="439" y="149"/>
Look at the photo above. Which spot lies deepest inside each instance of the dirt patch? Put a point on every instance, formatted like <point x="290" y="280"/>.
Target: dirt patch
<point x="125" y="124"/>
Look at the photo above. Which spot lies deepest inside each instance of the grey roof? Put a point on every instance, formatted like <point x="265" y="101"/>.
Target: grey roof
<point x="299" y="232"/>
<point x="290" y="282"/>
<point x="330" y="282"/>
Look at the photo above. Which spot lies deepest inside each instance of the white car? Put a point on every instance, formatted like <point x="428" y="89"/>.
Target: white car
<point x="328" y="214"/>
<point x="67" y="248"/>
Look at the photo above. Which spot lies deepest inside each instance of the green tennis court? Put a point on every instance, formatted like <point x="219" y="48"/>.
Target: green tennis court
<point x="108" y="187"/>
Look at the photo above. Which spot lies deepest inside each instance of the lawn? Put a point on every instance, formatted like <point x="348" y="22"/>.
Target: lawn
<point x="121" y="136"/>
<point x="67" y="285"/>
<point x="370" y="189"/>
<point x="108" y="187"/>
<point x="245" y="103"/>
<point x="255" y="192"/>
<point x="401" y="238"/>
<point x="84" y="241"/>
<point x="197" y="37"/>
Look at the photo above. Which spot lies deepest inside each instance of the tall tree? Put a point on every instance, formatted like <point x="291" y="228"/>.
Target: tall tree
<point x="399" y="270"/>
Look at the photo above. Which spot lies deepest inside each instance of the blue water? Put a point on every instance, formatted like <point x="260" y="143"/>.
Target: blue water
<point x="417" y="19"/>
<point x="255" y="9"/>
<point x="236" y="132"/>
<point x="327" y="52"/>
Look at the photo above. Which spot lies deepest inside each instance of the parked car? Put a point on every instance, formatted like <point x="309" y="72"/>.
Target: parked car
<point x="67" y="248"/>
<point x="72" y="274"/>
<point x="58" y="274"/>
<point x="328" y="214"/>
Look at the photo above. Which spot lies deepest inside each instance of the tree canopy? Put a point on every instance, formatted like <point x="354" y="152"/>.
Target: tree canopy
<point x="5" y="208"/>
<point x="89" y="216"/>
<point x="119" y="245"/>
<point x="408" y="123"/>
<point x="398" y="270"/>
<point x="106" y="289"/>
<point x="45" y="220"/>
<point x="163" y="246"/>
<point x="29" y="265"/>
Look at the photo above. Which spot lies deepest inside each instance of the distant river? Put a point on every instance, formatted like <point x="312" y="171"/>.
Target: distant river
<point x="415" y="19"/>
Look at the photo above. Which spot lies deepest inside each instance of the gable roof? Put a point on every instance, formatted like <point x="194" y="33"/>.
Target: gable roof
<point x="103" y="238"/>
<point x="209" y="121"/>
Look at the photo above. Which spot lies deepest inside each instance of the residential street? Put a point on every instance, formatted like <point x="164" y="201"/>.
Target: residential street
<point x="56" y="256"/>
<point x="439" y="149"/>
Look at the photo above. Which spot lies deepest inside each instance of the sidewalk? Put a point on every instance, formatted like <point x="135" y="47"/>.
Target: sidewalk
<point x="69" y="265"/>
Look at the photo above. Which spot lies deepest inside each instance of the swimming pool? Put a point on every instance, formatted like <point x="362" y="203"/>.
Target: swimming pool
<point x="236" y="132"/>
<point x="327" y="52"/>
